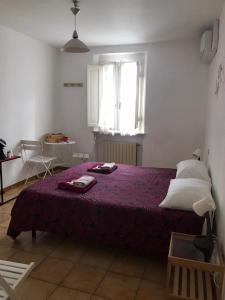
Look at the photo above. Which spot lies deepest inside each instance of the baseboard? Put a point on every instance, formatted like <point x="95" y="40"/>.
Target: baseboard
<point x="19" y="183"/>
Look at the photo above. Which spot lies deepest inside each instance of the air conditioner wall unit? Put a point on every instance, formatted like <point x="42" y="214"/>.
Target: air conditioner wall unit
<point x="209" y="43"/>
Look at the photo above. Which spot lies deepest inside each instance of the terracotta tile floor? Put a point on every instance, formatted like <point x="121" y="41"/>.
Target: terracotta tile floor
<point x="69" y="270"/>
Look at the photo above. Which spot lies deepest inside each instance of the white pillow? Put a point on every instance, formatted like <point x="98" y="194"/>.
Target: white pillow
<point x="182" y="193"/>
<point x="192" y="169"/>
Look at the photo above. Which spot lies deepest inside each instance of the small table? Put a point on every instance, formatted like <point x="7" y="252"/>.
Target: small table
<point x="62" y="144"/>
<point x="1" y="180"/>
<point x="188" y="275"/>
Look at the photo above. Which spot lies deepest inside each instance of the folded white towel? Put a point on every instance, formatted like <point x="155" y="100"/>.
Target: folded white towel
<point x="83" y="181"/>
<point x="108" y="165"/>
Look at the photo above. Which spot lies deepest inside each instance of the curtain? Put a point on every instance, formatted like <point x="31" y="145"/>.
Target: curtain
<point x="128" y="98"/>
<point x="107" y="103"/>
<point x="118" y="98"/>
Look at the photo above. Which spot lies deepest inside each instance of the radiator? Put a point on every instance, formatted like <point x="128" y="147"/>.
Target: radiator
<point x="125" y="153"/>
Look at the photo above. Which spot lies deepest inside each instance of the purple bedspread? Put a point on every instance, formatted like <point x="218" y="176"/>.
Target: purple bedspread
<point x="120" y="210"/>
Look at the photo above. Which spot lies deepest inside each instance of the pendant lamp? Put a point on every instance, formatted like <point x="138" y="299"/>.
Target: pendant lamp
<point x="75" y="45"/>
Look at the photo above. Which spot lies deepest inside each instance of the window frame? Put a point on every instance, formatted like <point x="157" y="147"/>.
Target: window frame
<point x="141" y="59"/>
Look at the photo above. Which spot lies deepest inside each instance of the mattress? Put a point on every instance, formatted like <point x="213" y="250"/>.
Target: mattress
<point x="121" y="210"/>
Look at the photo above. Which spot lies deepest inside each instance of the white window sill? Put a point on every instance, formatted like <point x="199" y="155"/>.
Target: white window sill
<point x="117" y="134"/>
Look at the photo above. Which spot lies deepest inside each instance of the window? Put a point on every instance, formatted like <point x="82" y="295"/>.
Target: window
<point x="116" y="94"/>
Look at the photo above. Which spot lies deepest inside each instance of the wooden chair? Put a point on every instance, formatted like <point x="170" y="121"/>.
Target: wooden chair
<point x="11" y="275"/>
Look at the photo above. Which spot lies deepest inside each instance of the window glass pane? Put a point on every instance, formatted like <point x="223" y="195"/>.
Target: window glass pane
<point x="128" y="97"/>
<point x="107" y="98"/>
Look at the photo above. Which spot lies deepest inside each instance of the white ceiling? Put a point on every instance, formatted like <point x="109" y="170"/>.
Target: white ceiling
<point x="107" y="22"/>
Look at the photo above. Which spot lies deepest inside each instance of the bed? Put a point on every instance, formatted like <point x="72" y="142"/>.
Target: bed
<point x="121" y="210"/>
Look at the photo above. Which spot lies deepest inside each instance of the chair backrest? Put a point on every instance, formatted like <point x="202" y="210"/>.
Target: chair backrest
<point x="30" y="145"/>
<point x="5" y="285"/>
<point x="12" y="274"/>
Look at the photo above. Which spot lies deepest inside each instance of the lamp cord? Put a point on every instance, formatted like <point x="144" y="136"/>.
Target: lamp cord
<point x="211" y="214"/>
<point x="215" y="275"/>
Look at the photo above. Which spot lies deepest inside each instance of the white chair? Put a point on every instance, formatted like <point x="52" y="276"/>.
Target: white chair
<point x="36" y="157"/>
<point x="11" y="275"/>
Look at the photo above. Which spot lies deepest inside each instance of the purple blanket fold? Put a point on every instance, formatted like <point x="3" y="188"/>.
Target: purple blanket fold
<point x="121" y="210"/>
<point x="68" y="187"/>
<point x="96" y="168"/>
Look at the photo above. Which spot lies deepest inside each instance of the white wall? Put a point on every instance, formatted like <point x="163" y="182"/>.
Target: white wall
<point x="215" y="134"/>
<point x="27" y="88"/>
<point x="176" y="96"/>
<point x="175" y="101"/>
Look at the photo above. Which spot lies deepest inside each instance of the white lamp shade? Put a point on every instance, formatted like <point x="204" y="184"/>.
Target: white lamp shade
<point x="75" y="46"/>
<point x="197" y="153"/>
<point x="203" y="206"/>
